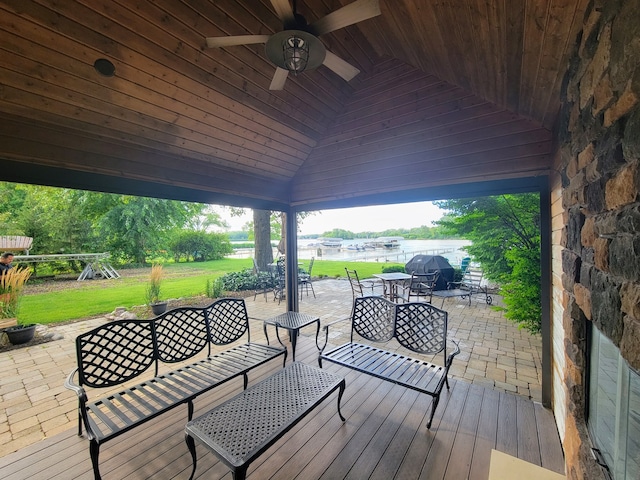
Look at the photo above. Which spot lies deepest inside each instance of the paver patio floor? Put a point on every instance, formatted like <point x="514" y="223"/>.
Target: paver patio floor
<point x="494" y="354"/>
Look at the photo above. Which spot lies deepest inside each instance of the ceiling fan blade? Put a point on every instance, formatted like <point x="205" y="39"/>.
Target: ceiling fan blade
<point x="284" y="11"/>
<point x="339" y="66"/>
<point x="277" y="83"/>
<point x="213" y="42"/>
<point x="348" y="15"/>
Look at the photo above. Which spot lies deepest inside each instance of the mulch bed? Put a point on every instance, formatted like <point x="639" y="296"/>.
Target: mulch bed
<point x="37" y="340"/>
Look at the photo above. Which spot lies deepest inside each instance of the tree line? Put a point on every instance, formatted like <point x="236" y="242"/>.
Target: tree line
<point x="134" y="230"/>
<point x="417" y="233"/>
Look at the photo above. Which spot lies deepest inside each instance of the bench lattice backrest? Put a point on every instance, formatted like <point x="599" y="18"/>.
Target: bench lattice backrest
<point x="181" y="333"/>
<point x="422" y="328"/>
<point x="229" y="321"/>
<point x="115" y="352"/>
<point x="373" y="318"/>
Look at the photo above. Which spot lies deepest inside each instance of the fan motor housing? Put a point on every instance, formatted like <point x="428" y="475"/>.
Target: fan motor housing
<point x="275" y="45"/>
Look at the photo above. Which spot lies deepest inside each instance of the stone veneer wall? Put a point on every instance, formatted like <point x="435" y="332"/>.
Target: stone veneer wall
<point x="598" y="159"/>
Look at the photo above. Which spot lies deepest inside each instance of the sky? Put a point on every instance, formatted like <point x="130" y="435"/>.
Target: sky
<point x="360" y="219"/>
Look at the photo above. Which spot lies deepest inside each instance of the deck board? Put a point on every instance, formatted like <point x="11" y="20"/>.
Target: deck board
<point x="507" y="438"/>
<point x="462" y="453"/>
<point x="367" y="462"/>
<point x="384" y="437"/>
<point x="444" y="436"/>
<point x="343" y="463"/>
<point x="528" y="444"/>
<point x="391" y="459"/>
<point x="486" y="435"/>
<point x="549" y="439"/>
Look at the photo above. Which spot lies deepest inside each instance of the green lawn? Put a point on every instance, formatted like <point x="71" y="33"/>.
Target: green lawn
<point x="90" y="298"/>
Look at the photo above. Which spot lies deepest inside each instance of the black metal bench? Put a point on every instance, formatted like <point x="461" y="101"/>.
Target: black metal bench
<point x="418" y="326"/>
<point x="120" y="351"/>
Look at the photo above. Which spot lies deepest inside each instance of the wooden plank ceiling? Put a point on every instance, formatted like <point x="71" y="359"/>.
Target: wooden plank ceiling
<point x="450" y="92"/>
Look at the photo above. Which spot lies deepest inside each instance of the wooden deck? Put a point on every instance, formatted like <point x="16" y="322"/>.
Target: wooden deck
<point x="384" y="437"/>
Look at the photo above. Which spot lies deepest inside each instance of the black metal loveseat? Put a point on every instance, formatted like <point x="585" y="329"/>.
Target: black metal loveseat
<point x="418" y="326"/>
<point x="120" y="351"/>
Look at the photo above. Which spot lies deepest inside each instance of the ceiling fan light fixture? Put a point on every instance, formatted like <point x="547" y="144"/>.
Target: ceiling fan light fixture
<point x="295" y="50"/>
<point x="295" y="53"/>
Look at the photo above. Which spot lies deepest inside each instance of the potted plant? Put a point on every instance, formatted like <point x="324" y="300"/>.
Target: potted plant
<point x="12" y="284"/>
<point x="153" y="290"/>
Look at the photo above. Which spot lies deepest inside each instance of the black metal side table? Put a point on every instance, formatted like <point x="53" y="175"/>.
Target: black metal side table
<point x="293" y="322"/>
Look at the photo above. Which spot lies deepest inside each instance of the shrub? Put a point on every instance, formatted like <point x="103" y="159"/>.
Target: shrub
<point x="200" y="246"/>
<point x="215" y="288"/>
<point x="521" y="293"/>
<point x="245" y="280"/>
<point x="457" y="274"/>
<point x="393" y="269"/>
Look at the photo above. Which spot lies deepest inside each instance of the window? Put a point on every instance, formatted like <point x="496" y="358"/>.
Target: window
<point x="614" y="408"/>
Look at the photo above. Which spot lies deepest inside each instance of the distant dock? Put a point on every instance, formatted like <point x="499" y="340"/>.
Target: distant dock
<point x="386" y="256"/>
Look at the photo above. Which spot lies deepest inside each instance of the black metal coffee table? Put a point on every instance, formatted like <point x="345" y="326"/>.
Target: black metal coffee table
<point x="293" y="322"/>
<point x="242" y="428"/>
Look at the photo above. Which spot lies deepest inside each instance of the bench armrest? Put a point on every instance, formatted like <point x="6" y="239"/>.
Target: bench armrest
<point x="449" y="359"/>
<point x="82" y="402"/>
<point x="325" y="327"/>
<point x="72" y="385"/>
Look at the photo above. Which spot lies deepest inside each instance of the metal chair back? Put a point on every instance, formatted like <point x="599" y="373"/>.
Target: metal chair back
<point x="280" y="280"/>
<point x="304" y="279"/>
<point x="422" y="285"/>
<point x="357" y="287"/>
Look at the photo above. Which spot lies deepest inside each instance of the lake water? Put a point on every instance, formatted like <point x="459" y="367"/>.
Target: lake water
<point x="407" y="249"/>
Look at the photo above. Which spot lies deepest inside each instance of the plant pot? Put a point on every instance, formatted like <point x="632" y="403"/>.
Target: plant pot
<point x="158" y="308"/>
<point x="21" y="334"/>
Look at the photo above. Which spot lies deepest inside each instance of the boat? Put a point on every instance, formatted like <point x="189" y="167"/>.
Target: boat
<point x="329" y="242"/>
<point x="384" y="242"/>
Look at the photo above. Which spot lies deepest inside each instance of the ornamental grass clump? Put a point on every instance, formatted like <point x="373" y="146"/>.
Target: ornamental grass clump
<point x="11" y="289"/>
<point x="155" y="282"/>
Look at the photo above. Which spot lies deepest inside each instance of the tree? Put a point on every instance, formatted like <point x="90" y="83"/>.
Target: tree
<point x="505" y="231"/>
<point x="138" y="227"/>
<point x="12" y="198"/>
<point x="280" y="223"/>
<point x="262" y="238"/>
<point x="207" y="218"/>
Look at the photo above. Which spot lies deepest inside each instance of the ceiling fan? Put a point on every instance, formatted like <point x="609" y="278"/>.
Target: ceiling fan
<point x="297" y="47"/>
